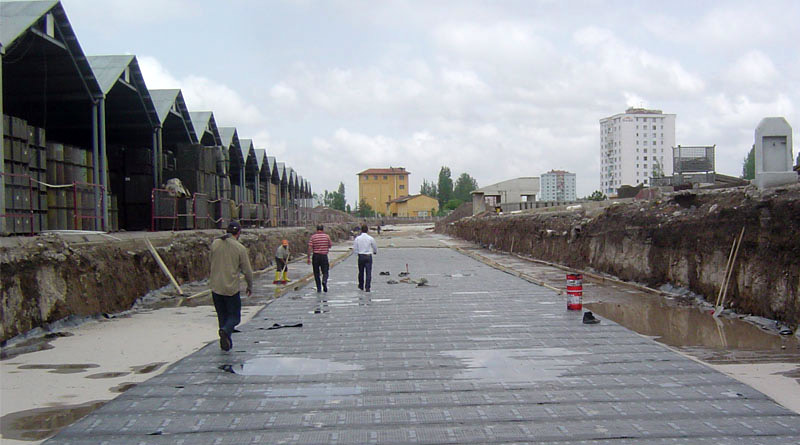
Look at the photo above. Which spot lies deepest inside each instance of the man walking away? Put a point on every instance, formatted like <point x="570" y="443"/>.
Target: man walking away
<point x="228" y="258"/>
<point x="364" y="246"/>
<point x="282" y="263"/>
<point x="318" y="247"/>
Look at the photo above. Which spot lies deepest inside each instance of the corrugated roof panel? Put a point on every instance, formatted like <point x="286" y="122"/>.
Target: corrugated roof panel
<point x="164" y="100"/>
<point x="261" y="155"/>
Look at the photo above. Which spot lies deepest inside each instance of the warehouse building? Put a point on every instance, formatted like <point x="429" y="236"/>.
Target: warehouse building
<point x="86" y="145"/>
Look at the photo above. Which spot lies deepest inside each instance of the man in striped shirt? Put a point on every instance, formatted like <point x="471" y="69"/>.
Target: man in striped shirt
<point x="318" y="247"/>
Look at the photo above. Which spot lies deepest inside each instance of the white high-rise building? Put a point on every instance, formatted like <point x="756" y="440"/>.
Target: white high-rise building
<point x="635" y="146"/>
<point x="557" y="185"/>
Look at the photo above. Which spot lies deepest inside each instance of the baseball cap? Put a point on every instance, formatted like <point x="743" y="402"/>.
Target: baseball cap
<point x="234" y="227"/>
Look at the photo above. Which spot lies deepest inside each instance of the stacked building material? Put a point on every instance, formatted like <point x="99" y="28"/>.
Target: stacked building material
<point x="25" y="161"/>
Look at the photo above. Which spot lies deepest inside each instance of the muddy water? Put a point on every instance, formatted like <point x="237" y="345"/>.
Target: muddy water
<point x="41" y="423"/>
<point x="678" y="323"/>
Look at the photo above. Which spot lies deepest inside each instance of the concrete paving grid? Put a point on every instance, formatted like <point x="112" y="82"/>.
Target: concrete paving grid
<point x="479" y="356"/>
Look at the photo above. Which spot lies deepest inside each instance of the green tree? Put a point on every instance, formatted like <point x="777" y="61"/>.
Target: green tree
<point x="658" y="170"/>
<point x="749" y="165"/>
<point x="597" y="195"/>
<point x="337" y="201"/>
<point x="444" y="186"/>
<point x="348" y="210"/>
<point x="465" y="184"/>
<point x="428" y="188"/>
<point x="364" y="210"/>
<point x="453" y="204"/>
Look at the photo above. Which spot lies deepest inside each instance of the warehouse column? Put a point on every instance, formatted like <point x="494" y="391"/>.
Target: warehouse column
<point x="2" y="150"/>
<point x="155" y="158"/>
<point x="104" y="162"/>
<point x="96" y="169"/>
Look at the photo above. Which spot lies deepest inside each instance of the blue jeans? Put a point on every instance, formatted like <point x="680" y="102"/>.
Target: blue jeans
<point x="229" y="310"/>
<point x="364" y="268"/>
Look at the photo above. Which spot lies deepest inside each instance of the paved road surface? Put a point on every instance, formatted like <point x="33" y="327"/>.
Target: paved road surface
<point x="477" y="356"/>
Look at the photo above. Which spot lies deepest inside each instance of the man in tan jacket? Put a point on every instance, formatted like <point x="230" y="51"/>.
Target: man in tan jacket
<point x="228" y="258"/>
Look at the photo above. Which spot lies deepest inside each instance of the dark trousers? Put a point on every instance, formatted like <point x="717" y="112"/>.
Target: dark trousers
<point x="229" y="310"/>
<point x="364" y="268"/>
<point x="320" y="265"/>
<point x="280" y="264"/>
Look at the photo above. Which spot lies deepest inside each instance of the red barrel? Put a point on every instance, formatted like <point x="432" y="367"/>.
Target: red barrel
<point x="574" y="291"/>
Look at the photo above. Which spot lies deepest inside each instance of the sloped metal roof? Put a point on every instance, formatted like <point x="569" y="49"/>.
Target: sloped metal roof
<point x="246" y="145"/>
<point x="281" y="171"/>
<point x="166" y="101"/>
<point x="18" y="17"/>
<point x="108" y="70"/>
<point x="17" y="20"/>
<point x="203" y="121"/>
<point x="261" y="155"/>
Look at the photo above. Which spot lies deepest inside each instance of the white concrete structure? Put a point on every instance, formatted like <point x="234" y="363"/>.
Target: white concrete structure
<point x="632" y="145"/>
<point x="773" y="156"/>
<point x="522" y="189"/>
<point x="558" y="185"/>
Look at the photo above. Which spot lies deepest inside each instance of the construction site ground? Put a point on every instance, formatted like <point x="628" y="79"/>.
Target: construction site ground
<point x="483" y="351"/>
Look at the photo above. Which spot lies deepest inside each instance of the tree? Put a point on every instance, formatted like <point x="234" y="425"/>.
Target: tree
<point x="348" y="208"/>
<point x="749" y="165"/>
<point x="597" y="195"/>
<point x="453" y="204"/>
<point x="444" y="186"/>
<point x="465" y="184"/>
<point x="428" y="188"/>
<point x="364" y="210"/>
<point x="337" y="200"/>
<point x="658" y="170"/>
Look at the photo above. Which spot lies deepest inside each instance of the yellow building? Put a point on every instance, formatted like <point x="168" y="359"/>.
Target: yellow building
<point x="414" y="206"/>
<point x="379" y="186"/>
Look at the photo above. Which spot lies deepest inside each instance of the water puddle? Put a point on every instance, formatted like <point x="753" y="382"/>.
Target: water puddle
<point x="275" y="365"/>
<point x="41" y="423"/>
<point x="31" y="345"/>
<point x="70" y="368"/>
<point x="147" y="369"/>
<point x="691" y="327"/>
<point x="516" y="365"/>
<point x="107" y="375"/>
<point x="122" y="387"/>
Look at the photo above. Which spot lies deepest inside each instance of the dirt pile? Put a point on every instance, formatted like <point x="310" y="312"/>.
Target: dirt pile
<point x="682" y="238"/>
<point x="46" y="279"/>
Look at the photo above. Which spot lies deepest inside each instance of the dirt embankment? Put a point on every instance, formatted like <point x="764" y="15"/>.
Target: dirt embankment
<point x="683" y="238"/>
<point x="46" y="279"/>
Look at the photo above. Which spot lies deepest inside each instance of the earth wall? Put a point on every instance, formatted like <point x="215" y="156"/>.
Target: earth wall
<point x="46" y="279"/>
<point x="681" y="238"/>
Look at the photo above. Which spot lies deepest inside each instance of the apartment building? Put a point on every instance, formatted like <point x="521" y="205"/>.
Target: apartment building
<point x="558" y="186"/>
<point x="635" y="146"/>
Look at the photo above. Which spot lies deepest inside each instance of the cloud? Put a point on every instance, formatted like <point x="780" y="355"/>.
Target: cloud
<point x="201" y="93"/>
<point x="752" y="69"/>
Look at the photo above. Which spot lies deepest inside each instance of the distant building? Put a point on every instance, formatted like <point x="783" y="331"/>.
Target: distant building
<point x="413" y="206"/>
<point x="512" y="191"/>
<point x="379" y="186"/>
<point x="558" y="186"/>
<point x="633" y="146"/>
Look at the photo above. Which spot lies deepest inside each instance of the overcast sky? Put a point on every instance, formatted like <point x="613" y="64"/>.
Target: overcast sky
<point x="496" y="89"/>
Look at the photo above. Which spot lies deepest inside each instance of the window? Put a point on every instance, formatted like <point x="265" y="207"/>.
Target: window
<point x="645" y="158"/>
<point x="654" y="127"/>
<point x="366" y="177"/>
<point x="645" y="150"/>
<point x="402" y="178"/>
<point x="384" y="177"/>
<point x="401" y="187"/>
<point x="374" y="176"/>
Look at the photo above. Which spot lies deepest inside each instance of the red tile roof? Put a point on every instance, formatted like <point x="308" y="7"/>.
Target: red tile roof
<point x="385" y="171"/>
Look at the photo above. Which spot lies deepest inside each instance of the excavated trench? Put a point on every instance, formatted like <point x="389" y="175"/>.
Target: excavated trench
<point x="683" y="239"/>
<point x="46" y="278"/>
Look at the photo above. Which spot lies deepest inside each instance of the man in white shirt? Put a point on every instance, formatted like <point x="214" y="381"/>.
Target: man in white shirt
<point x="364" y="246"/>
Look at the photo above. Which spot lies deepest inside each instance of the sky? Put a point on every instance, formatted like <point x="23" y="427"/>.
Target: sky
<point x="496" y="89"/>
